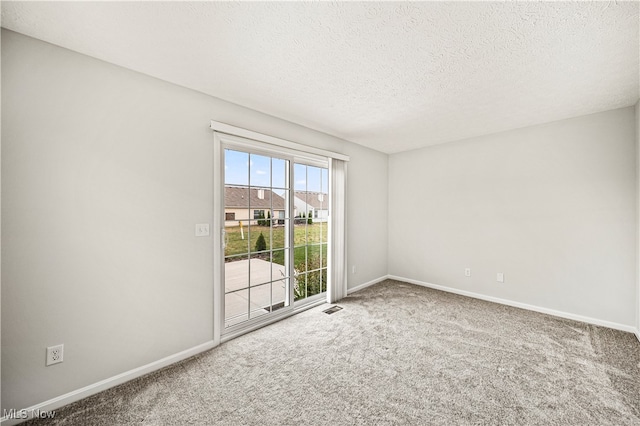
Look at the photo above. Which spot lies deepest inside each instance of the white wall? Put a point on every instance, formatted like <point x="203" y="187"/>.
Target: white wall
<point x="104" y="174"/>
<point x="553" y="207"/>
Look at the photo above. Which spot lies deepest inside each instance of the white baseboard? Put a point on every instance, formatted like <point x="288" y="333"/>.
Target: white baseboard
<point x="367" y="284"/>
<point x="102" y="385"/>
<point x="526" y="306"/>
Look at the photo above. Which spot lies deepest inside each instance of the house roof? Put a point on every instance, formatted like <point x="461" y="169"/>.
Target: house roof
<point x="312" y="199"/>
<point x="243" y="197"/>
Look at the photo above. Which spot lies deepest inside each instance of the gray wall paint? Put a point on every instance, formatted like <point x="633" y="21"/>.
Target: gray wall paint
<point x="105" y="171"/>
<point x="553" y="207"/>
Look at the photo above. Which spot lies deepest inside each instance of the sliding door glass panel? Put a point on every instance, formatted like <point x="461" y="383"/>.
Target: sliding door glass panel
<point x="260" y="170"/>
<point x="257" y="214"/>
<point x="300" y="286"/>
<point x="276" y="213"/>
<point x="310" y="229"/>
<point x="260" y="300"/>
<point x="236" y="307"/>
<point x="279" y="173"/>
<point x="236" y="168"/>
<point x="278" y="228"/>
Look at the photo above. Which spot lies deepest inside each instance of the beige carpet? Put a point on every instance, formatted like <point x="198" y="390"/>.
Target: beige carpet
<point x="396" y="354"/>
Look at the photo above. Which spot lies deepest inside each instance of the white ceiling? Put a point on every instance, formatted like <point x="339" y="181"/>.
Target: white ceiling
<point x="391" y="76"/>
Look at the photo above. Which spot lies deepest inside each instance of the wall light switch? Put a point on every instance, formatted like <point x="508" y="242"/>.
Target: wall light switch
<point x="202" y="230"/>
<point x="500" y="277"/>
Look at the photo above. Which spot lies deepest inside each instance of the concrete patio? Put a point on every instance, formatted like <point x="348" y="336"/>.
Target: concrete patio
<point x="267" y="288"/>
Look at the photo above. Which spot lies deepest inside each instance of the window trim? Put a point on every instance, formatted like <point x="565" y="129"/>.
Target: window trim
<point x="228" y="129"/>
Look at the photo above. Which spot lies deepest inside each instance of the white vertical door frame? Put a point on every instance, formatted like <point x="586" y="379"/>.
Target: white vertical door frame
<point x="218" y="238"/>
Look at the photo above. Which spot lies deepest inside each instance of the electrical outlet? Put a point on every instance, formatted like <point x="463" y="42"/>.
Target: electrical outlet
<point x="500" y="277"/>
<point x="55" y="354"/>
<point x="353" y="269"/>
<point x="467" y="272"/>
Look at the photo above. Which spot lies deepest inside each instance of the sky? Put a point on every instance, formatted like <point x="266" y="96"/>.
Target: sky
<point x="241" y="168"/>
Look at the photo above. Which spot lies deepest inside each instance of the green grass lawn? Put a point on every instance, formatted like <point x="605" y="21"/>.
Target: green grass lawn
<point x="309" y="242"/>
<point x="309" y="252"/>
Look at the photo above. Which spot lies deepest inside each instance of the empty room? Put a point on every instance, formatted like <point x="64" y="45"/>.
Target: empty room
<point x="323" y="213"/>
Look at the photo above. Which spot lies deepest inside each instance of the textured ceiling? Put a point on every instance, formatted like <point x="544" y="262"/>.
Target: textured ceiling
<point x="391" y="76"/>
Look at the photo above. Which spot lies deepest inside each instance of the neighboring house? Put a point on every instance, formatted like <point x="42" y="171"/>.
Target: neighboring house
<point x="249" y="205"/>
<point x="316" y="203"/>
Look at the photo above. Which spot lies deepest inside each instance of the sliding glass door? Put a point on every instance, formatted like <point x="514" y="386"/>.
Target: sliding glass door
<point x="310" y="230"/>
<point x="274" y="234"/>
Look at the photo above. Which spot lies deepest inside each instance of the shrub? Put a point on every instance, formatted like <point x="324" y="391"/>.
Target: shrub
<point x="261" y="243"/>
<point x="261" y="221"/>
<point x="309" y="283"/>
